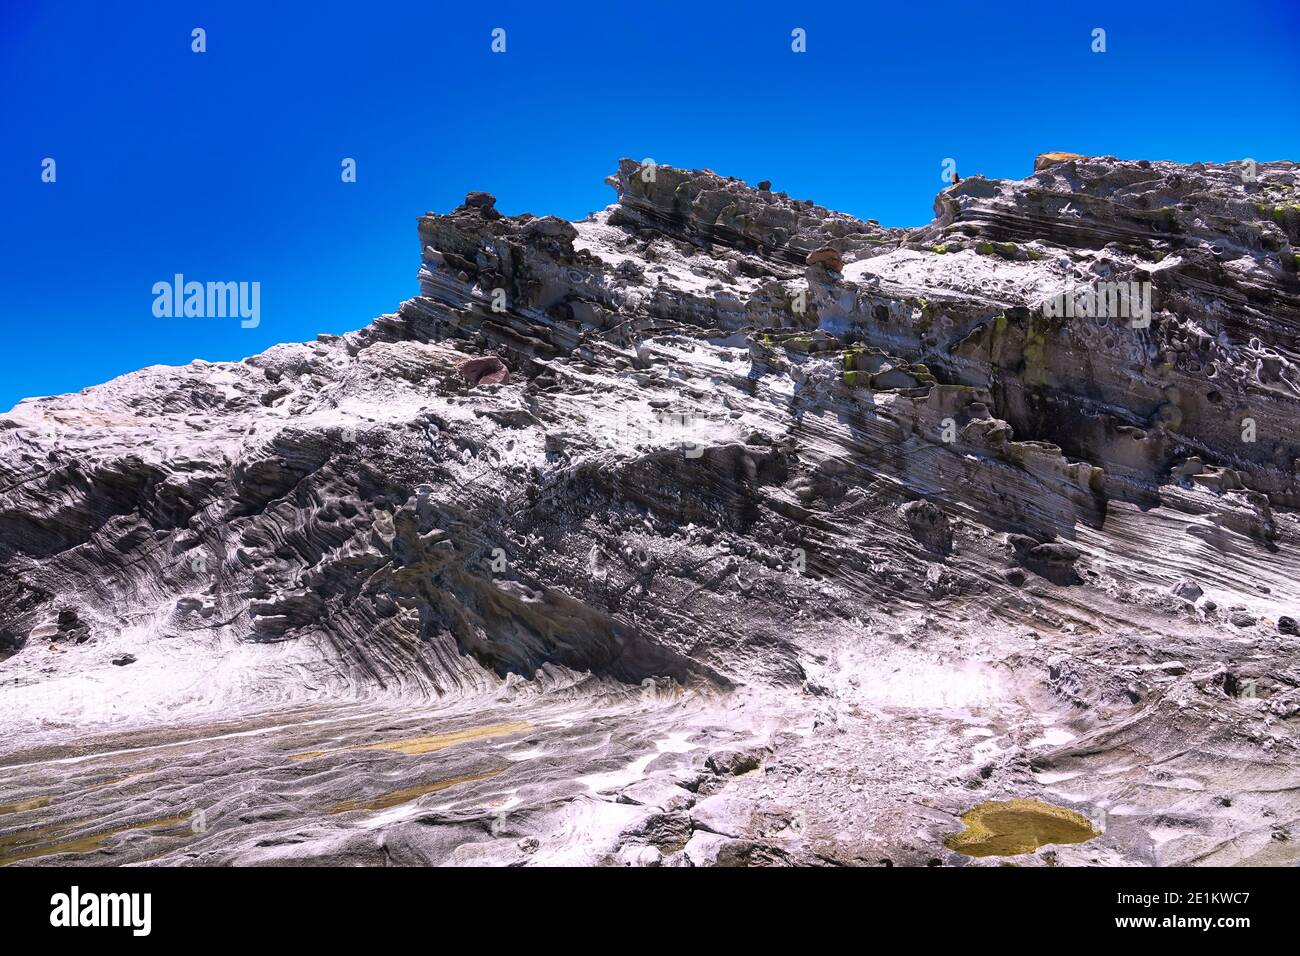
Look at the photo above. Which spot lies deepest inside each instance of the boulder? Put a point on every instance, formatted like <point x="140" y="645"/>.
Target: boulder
<point x="488" y="370"/>
<point x="828" y="258"/>
<point x="485" y="203"/>
<point x="928" y="524"/>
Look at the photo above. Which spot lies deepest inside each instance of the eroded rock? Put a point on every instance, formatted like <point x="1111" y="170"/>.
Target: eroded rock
<point x="771" y="522"/>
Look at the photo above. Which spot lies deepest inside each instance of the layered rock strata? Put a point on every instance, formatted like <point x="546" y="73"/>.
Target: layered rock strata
<point x="717" y="527"/>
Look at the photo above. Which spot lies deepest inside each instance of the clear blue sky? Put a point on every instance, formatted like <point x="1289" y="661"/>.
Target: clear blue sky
<point x="226" y="165"/>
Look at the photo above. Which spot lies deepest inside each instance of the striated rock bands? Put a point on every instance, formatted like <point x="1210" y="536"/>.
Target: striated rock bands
<point x="716" y="528"/>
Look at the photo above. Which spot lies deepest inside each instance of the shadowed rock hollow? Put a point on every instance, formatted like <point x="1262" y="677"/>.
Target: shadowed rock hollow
<point x="717" y="527"/>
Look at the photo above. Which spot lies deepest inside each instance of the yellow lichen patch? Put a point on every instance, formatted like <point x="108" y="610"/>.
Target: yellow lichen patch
<point x="414" y="746"/>
<point x="1010" y="827"/>
<point x="1044" y="160"/>
<point x="29" y="844"/>
<point x="115" y="781"/>
<point x="410" y="793"/>
<point x="33" y="804"/>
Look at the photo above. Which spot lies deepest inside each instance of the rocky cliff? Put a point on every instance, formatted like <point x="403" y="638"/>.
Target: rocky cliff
<point x="717" y="527"/>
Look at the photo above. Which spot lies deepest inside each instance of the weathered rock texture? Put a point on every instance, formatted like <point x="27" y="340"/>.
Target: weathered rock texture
<point x="751" y="533"/>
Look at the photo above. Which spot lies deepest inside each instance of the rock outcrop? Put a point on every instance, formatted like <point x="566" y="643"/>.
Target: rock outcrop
<point x="717" y="527"/>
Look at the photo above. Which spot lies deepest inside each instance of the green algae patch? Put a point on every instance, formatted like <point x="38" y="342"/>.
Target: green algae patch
<point x="1034" y="354"/>
<point x="23" y="805"/>
<point x="46" y="841"/>
<point x="1011" y="827"/>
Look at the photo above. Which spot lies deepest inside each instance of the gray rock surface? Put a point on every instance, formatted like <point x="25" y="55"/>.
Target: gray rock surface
<point x="717" y="528"/>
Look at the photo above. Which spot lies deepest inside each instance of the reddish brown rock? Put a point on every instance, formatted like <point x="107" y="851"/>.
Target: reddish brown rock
<point x="488" y="370"/>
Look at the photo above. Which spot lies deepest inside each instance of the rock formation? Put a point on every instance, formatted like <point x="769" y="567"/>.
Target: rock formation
<point x="716" y="528"/>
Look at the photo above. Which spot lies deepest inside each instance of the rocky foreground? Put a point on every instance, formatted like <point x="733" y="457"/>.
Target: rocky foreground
<point x="717" y="527"/>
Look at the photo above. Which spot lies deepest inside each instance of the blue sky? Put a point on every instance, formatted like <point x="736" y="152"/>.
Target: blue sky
<point x="225" y="165"/>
